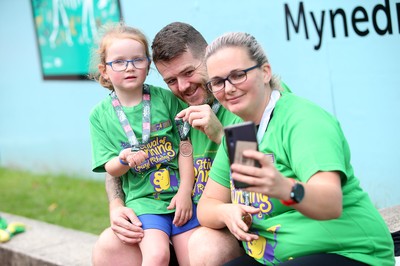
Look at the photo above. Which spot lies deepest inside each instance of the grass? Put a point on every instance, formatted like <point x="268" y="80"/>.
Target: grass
<point x="76" y="203"/>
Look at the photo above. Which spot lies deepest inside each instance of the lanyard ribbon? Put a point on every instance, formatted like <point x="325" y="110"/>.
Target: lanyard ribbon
<point x="133" y="141"/>
<point x="275" y="95"/>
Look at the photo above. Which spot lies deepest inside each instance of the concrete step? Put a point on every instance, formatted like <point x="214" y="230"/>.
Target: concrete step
<point x="45" y="244"/>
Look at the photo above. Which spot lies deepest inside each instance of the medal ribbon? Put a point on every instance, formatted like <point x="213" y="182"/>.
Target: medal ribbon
<point x="215" y="106"/>
<point x="133" y="141"/>
<point x="184" y="127"/>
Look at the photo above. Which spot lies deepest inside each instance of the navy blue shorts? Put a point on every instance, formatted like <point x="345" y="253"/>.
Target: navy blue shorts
<point x="164" y="223"/>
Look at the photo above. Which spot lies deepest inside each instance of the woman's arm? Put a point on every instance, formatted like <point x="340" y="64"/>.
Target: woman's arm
<point x="215" y="211"/>
<point x="322" y="193"/>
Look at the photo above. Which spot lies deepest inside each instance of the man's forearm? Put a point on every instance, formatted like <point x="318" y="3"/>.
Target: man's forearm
<point x="114" y="188"/>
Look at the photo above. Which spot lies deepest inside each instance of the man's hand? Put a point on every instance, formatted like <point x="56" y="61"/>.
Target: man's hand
<point x="202" y="117"/>
<point x="126" y="225"/>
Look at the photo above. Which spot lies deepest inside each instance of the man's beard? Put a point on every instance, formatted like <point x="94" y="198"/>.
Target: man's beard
<point x="209" y="99"/>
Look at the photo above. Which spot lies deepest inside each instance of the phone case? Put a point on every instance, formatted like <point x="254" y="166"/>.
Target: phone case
<point x="241" y="137"/>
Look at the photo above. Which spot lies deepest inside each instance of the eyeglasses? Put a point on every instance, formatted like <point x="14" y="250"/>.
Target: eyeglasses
<point x="122" y="65"/>
<point x="235" y="77"/>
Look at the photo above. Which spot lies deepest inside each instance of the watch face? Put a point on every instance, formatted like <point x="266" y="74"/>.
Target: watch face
<point x="297" y="193"/>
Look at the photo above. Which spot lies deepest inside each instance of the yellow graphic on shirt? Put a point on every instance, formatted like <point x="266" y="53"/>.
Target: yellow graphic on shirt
<point x="261" y="249"/>
<point x="163" y="179"/>
<point x="257" y="247"/>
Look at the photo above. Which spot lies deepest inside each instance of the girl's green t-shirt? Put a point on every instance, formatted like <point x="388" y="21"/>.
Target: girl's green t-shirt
<point x="149" y="187"/>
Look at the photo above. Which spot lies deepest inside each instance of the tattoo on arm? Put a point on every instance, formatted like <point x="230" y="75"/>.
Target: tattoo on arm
<point x="114" y="188"/>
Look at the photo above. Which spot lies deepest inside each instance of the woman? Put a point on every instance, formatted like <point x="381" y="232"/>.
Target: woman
<point x="307" y="206"/>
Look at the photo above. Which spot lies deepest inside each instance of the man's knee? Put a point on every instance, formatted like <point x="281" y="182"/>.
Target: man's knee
<point x="107" y="241"/>
<point x="213" y="247"/>
<point x="109" y="248"/>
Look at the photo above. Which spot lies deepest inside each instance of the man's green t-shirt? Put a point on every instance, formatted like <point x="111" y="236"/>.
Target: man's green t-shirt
<point x="204" y="151"/>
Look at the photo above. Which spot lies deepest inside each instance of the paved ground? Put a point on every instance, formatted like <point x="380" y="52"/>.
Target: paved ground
<point x="391" y="216"/>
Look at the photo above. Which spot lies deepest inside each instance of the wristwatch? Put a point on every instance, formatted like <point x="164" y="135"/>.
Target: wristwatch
<point x="296" y="195"/>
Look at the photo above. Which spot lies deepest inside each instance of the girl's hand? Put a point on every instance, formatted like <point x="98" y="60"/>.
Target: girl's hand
<point x="134" y="158"/>
<point x="182" y="203"/>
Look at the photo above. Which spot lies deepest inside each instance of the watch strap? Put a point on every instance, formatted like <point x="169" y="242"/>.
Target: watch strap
<point x="290" y="201"/>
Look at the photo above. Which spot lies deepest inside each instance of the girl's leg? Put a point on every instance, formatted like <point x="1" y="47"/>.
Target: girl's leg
<point x="180" y="242"/>
<point x="109" y="250"/>
<point x="155" y="248"/>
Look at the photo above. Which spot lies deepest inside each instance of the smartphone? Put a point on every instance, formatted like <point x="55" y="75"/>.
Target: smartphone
<point x="240" y="137"/>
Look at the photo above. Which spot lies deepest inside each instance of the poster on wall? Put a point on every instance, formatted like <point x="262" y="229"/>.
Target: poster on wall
<point x="65" y="32"/>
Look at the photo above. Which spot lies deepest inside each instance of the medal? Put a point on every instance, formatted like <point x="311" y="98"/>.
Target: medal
<point x="247" y="218"/>
<point x="185" y="148"/>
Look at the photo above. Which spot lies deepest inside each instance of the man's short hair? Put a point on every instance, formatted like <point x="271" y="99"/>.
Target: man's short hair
<point x="175" y="39"/>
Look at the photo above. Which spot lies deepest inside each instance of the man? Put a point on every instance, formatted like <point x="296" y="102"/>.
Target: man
<point x="178" y="52"/>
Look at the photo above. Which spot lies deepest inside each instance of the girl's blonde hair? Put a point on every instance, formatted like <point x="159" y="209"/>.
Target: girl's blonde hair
<point x="108" y="33"/>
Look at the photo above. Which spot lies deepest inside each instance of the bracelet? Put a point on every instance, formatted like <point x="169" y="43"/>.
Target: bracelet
<point x="122" y="162"/>
<point x="291" y="201"/>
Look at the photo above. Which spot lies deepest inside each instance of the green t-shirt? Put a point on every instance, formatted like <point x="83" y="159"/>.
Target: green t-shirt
<point x="204" y="151"/>
<point x="149" y="187"/>
<point x="303" y="139"/>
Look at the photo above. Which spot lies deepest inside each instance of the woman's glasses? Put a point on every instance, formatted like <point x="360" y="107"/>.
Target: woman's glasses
<point x="235" y="77"/>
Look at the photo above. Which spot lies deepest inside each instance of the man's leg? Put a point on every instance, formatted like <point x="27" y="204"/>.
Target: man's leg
<point x="109" y="250"/>
<point x="209" y="247"/>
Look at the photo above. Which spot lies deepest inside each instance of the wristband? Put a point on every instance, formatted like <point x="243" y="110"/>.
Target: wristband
<point x="122" y="162"/>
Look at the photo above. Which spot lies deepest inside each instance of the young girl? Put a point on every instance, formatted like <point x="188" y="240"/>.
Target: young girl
<point x="135" y="138"/>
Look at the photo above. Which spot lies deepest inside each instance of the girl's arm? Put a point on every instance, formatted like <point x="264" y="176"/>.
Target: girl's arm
<point x="182" y="201"/>
<point x="119" y="165"/>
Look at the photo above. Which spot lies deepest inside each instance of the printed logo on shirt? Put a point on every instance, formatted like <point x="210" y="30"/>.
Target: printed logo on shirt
<point x="202" y="167"/>
<point x="159" y="150"/>
<point x="257" y="200"/>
